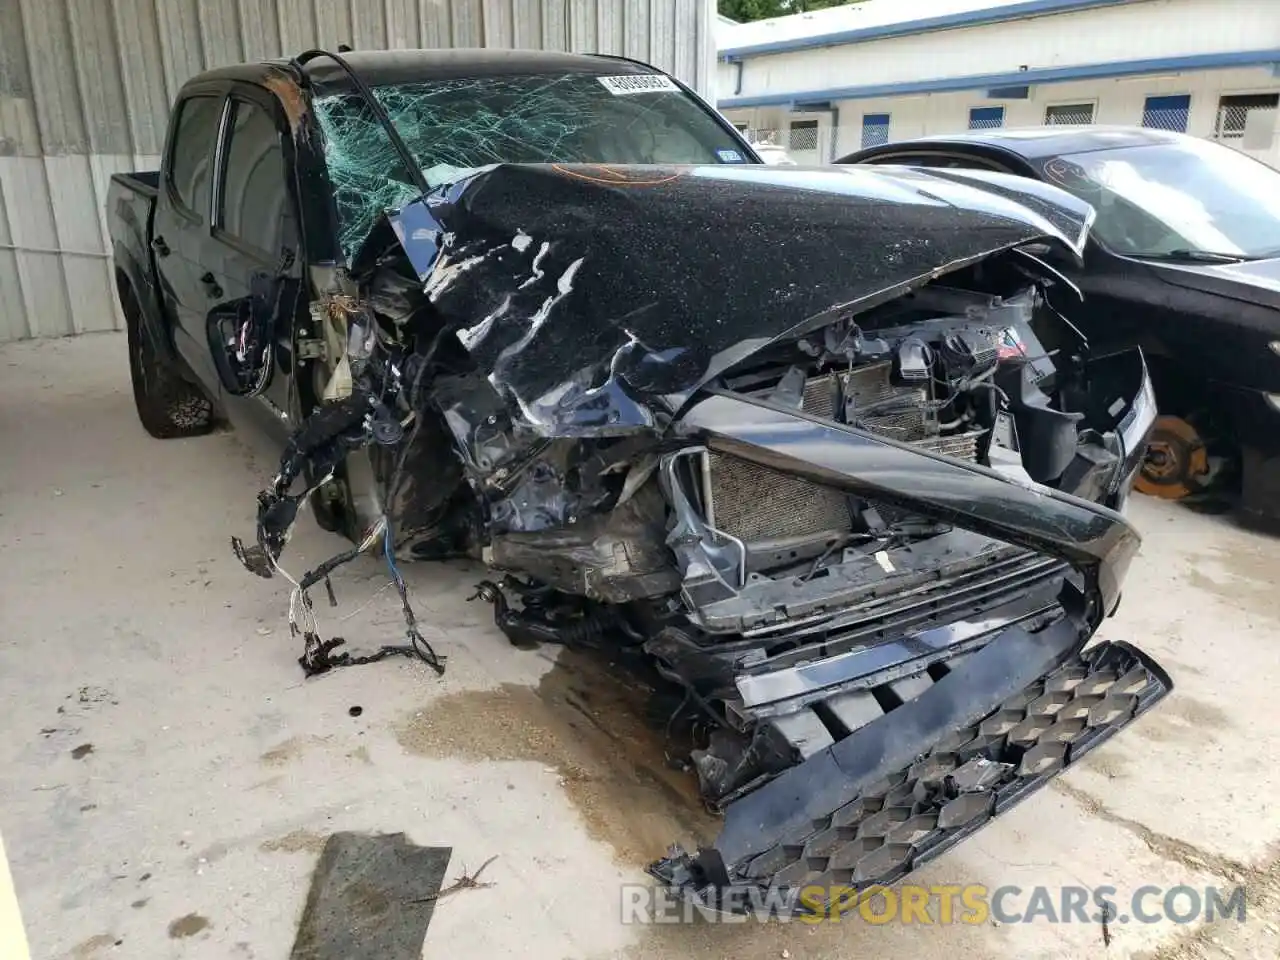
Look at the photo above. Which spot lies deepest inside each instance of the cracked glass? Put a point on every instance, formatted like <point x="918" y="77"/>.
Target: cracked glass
<point x="453" y="127"/>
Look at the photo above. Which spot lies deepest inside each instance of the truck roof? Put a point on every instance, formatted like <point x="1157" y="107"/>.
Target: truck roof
<point x="379" y="67"/>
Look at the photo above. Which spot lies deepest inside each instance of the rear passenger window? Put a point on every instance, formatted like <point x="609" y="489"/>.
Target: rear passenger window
<point x="191" y="160"/>
<point x="255" y="196"/>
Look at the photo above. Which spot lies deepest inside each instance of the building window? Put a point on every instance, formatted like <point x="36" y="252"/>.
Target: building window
<point x="875" y="129"/>
<point x="1167" y="113"/>
<point x="804" y="135"/>
<point x="1234" y="111"/>
<point x="1068" y="113"/>
<point x="986" y="118"/>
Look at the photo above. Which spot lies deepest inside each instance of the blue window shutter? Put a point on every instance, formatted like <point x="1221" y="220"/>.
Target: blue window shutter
<point x="1167" y="113"/>
<point x="875" y="129"/>
<point x="986" y="118"/>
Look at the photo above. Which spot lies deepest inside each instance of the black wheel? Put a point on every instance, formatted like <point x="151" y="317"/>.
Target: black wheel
<point x="168" y="405"/>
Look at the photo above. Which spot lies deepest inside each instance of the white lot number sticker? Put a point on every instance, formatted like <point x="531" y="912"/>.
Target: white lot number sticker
<point x="639" y="83"/>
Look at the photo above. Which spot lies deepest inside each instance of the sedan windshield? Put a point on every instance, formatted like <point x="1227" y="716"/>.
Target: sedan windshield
<point x="455" y="126"/>
<point x="1187" y="200"/>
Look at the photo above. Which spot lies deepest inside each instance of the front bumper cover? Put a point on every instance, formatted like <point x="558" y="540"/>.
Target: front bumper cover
<point x="911" y="785"/>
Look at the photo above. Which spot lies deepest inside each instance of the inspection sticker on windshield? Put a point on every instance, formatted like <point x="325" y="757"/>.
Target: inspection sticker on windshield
<point x="639" y="83"/>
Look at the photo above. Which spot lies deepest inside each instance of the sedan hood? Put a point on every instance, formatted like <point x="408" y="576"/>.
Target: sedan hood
<point x="587" y="292"/>
<point x="1253" y="281"/>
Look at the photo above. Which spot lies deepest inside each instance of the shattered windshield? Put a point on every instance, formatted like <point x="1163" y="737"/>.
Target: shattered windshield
<point x="456" y="126"/>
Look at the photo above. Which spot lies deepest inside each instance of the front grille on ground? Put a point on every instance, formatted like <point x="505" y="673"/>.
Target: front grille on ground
<point x="966" y="778"/>
<point x="914" y="815"/>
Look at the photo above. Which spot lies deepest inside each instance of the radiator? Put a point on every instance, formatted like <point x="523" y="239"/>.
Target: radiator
<point x="755" y="503"/>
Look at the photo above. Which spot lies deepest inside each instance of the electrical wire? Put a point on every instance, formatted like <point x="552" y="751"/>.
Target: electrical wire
<point x="365" y="606"/>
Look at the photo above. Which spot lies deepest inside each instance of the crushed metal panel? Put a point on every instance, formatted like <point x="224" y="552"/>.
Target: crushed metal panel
<point x="292" y="100"/>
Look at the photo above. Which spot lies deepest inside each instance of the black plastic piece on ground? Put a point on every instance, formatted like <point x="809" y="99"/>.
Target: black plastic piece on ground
<point x="899" y="814"/>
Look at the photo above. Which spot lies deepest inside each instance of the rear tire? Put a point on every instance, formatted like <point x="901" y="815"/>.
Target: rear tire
<point x="168" y="405"/>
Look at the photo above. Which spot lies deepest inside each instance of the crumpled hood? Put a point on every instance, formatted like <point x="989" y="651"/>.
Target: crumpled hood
<point x="588" y="291"/>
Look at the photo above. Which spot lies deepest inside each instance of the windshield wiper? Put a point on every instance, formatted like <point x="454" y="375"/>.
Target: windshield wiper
<point x="1194" y="256"/>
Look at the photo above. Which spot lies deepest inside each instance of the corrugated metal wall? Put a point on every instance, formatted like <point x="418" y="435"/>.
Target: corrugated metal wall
<point x="85" y="87"/>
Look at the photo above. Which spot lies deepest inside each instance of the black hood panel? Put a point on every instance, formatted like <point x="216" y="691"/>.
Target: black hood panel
<point x="1253" y="281"/>
<point x="586" y="287"/>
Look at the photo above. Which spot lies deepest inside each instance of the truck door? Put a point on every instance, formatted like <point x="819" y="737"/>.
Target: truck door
<point x="181" y="223"/>
<point x="253" y="258"/>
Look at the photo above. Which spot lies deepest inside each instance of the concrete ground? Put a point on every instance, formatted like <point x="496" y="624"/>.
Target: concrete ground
<point x="167" y="778"/>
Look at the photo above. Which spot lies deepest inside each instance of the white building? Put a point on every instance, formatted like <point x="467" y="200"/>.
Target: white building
<point x="827" y="83"/>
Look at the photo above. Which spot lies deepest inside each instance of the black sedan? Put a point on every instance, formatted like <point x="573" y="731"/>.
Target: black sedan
<point x="1184" y="261"/>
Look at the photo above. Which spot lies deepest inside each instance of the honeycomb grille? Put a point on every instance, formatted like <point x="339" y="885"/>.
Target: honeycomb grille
<point x="965" y="779"/>
<point x="755" y="503"/>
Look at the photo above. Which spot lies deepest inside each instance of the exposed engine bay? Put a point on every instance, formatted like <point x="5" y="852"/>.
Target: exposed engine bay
<point x="808" y="511"/>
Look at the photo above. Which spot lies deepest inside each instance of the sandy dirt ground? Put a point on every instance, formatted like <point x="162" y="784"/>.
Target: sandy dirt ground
<point x="167" y="777"/>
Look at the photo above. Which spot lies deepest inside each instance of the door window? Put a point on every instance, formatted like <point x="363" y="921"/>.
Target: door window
<point x="254" y="199"/>
<point x="191" y="155"/>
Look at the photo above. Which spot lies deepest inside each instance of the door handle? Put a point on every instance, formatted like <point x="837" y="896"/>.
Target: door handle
<point x="211" y="285"/>
<point x="160" y="247"/>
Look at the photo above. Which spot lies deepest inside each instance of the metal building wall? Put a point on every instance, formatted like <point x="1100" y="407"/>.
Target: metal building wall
<point x="85" y="88"/>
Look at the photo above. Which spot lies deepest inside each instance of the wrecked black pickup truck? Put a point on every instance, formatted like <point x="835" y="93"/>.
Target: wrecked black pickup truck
<point x="818" y="443"/>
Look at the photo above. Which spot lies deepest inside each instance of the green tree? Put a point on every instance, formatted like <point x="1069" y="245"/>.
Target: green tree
<point x="747" y="10"/>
